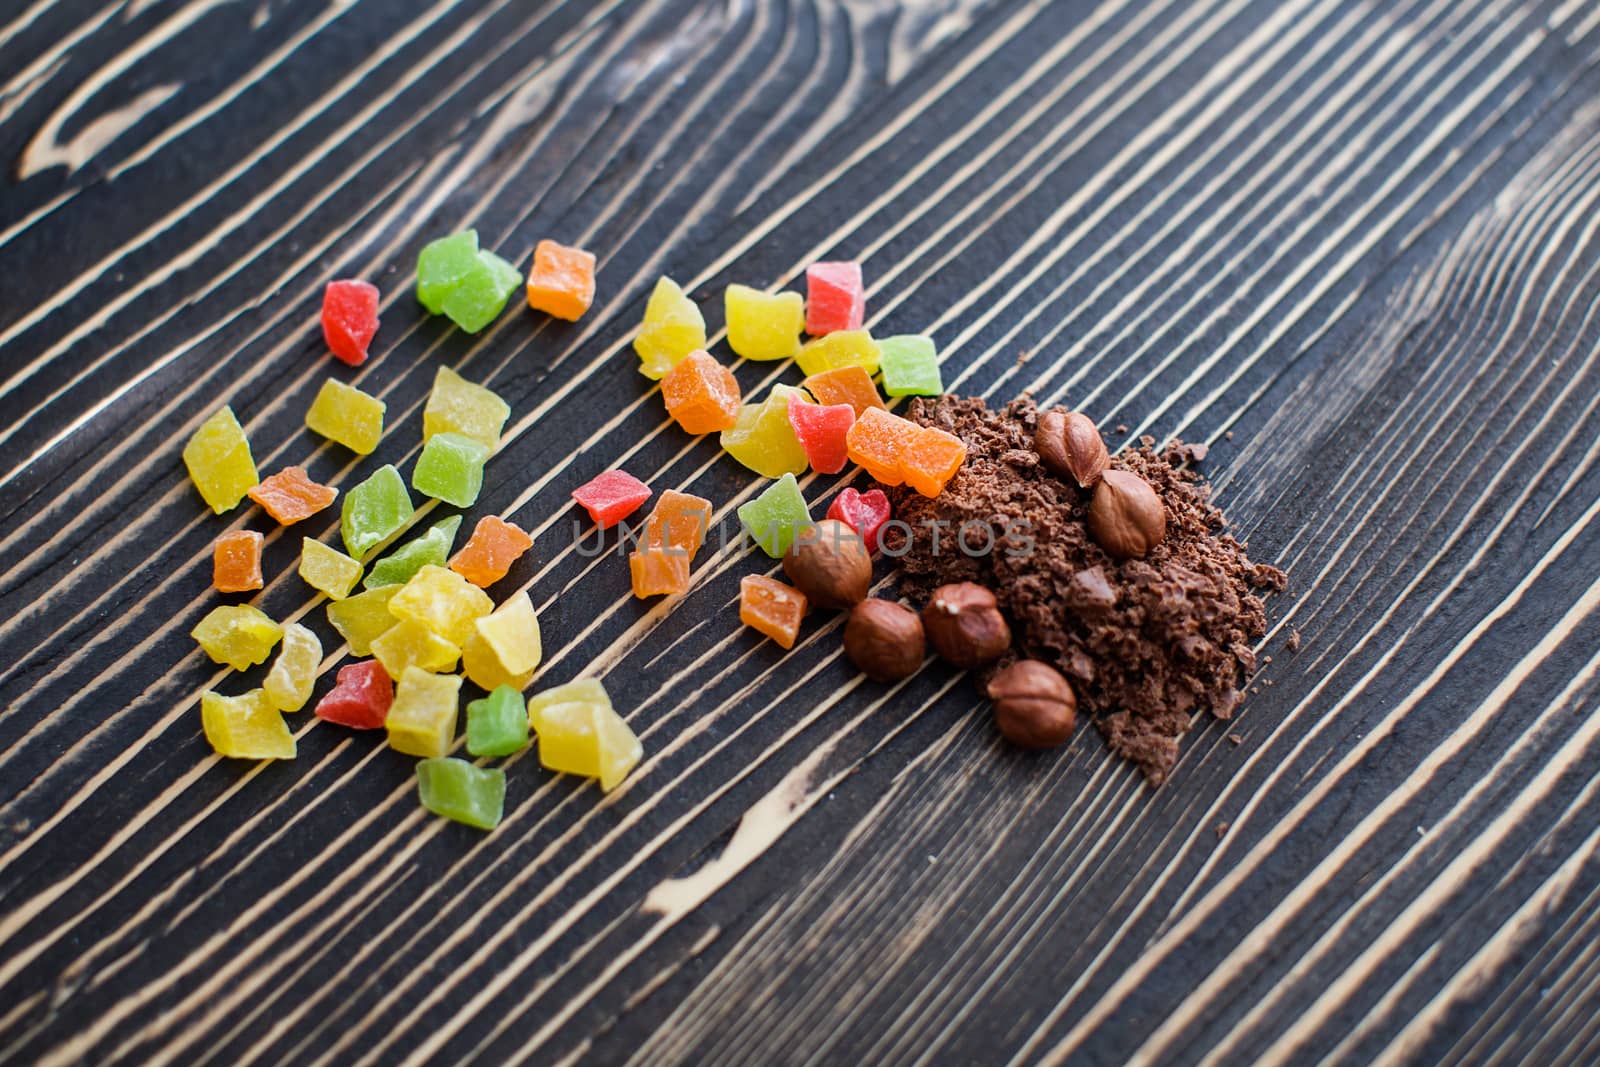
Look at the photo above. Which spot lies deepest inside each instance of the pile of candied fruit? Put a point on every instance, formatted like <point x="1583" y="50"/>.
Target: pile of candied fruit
<point x="422" y="621"/>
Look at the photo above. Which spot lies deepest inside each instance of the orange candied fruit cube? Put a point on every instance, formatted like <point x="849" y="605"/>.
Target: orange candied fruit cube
<point x="561" y="280"/>
<point x="932" y="459"/>
<point x="877" y="441"/>
<point x="236" y="562"/>
<point x="702" y="395"/>
<point x="659" y="571"/>
<point x="844" y="385"/>
<point x="771" y="607"/>
<point x="290" y="495"/>
<point x="679" y="520"/>
<point x="491" y="550"/>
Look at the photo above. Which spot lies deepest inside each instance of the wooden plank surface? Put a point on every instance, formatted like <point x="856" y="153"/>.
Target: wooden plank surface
<point x="1351" y="245"/>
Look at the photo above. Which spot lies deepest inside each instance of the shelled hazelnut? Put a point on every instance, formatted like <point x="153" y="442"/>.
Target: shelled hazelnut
<point x="1034" y="706"/>
<point x="964" y="625"/>
<point x="884" y="640"/>
<point x="829" y="564"/>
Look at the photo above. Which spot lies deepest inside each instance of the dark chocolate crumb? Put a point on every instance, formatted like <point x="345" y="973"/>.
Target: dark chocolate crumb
<point x="1236" y="739"/>
<point x="1293" y="644"/>
<point x="1221" y="829"/>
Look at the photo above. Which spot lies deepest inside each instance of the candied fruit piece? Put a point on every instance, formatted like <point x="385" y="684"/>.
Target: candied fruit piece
<point x="497" y="725"/>
<point x="776" y="517"/>
<point x="289" y="683"/>
<point x="876" y="442"/>
<point x="580" y="690"/>
<point x="236" y="562"/>
<point x="481" y="294"/>
<point x="844" y="385"/>
<point x="360" y="698"/>
<point x="680" y="521"/>
<point x="846" y="348"/>
<point x="443" y="601"/>
<point x="771" y="607"/>
<point x="442" y="265"/>
<point x="401" y="565"/>
<point x="580" y="733"/>
<point x="363" y="618"/>
<point x="458" y="406"/>
<point x="611" y="497"/>
<point x="763" y="438"/>
<point x="290" y="496"/>
<point x="561" y="280"/>
<point x="328" y="570"/>
<point x="345" y="414"/>
<point x="504" y="647"/>
<point x="835" y="297"/>
<point x="931" y="459"/>
<point x="491" y="550"/>
<point x="865" y="513"/>
<point x="821" y="431"/>
<point x="408" y="643"/>
<point x="764" y="326"/>
<point x="673" y="327"/>
<point x="237" y="634"/>
<point x="422" y="719"/>
<point x="567" y="740"/>
<point x="620" y="750"/>
<point x="658" y="572"/>
<point x="450" y="469"/>
<point x="349" y="319"/>
<point x="245" y="727"/>
<point x="374" y="511"/>
<point x="701" y="395"/>
<point x="219" y="463"/>
<point x="910" y="366"/>
<point x="461" y="792"/>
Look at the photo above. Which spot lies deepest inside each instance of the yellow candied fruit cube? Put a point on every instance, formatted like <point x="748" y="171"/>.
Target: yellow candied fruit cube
<point x="410" y="644"/>
<point x="245" y="726"/>
<point x="620" y="750"/>
<point x="422" y="719"/>
<point x="764" y="440"/>
<point x="328" y="570"/>
<point x="673" y="327"/>
<point x="583" y="690"/>
<point x="363" y="618"/>
<point x="219" y="461"/>
<point x="842" y="348"/>
<point x="345" y="414"/>
<point x="237" y="634"/>
<point x="568" y="741"/>
<point x="764" y="326"/>
<point x="443" y="601"/>
<point x="458" y="406"/>
<point x="293" y="675"/>
<point x="504" y="648"/>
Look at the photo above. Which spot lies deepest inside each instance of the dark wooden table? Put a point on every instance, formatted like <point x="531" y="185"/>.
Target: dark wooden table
<point x="1355" y="246"/>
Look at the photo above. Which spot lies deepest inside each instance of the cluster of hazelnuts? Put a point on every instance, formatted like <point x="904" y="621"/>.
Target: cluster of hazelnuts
<point x="1034" y="704"/>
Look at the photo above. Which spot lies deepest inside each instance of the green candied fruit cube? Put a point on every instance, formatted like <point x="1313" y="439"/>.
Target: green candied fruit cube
<point x="482" y="293"/>
<point x="457" y="790"/>
<point x="374" y="511"/>
<point x="775" y="518"/>
<point x="450" y="469"/>
<point x="401" y="565"/>
<point x="237" y="634"/>
<point x="219" y="462"/>
<point x="910" y="366"/>
<point x="363" y="618"/>
<point x="441" y="266"/>
<point x="458" y="406"/>
<point x="497" y="725"/>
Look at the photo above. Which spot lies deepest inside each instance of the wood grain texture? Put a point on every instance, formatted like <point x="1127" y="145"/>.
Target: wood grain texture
<point x="1353" y="246"/>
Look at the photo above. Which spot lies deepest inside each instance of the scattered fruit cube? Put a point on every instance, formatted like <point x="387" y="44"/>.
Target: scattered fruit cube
<point x="491" y="550"/>
<point x="835" y="297"/>
<point x="443" y="601"/>
<point x="504" y="648"/>
<point x="764" y="326"/>
<point x="458" y="406"/>
<point x="345" y="414"/>
<point x="219" y="462"/>
<point x="450" y="469"/>
<point x="580" y="733"/>
<point x="422" y="719"/>
<point x="237" y="634"/>
<point x="931" y="459"/>
<point x="442" y="265"/>
<point x="776" y="517"/>
<point x="679" y="520"/>
<point x="877" y="441"/>
<point x="846" y="348"/>
<point x="673" y="327"/>
<point x="457" y="279"/>
<point x="408" y="643"/>
<point x="561" y="280"/>
<point x="844" y="385"/>
<point x="361" y="697"/>
<point x="401" y="565"/>
<point x="910" y="366"/>
<point x="771" y="607"/>
<point x="611" y="497"/>
<point x="374" y="511"/>
<point x="701" y="395"/>
<point x="328" y="570"/>
<point x="658" y="572"/>
<point x="363" y="618"/>
<point x="236" y="562"/>
<point x="497" y="725"/>
<point x="821" y="431"/>
<point x="459" y="791"/>
<point x="289" y="683"/>
<point x="245" y="726"/>
<point x="763" y="438"/>
<point x="349" y="319"/>
<point x="290" y="496"/>
<point x="865" y="513"/>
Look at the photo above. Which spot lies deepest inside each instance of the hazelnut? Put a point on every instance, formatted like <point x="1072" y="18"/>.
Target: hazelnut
<point x="884" y="640"/>
<point x="964" y="625"/>
<point x="1126" y="516"/>
<point x="1033" y="705"/>
<point x="829" y="564"/>
<point x="1070" y="444"/>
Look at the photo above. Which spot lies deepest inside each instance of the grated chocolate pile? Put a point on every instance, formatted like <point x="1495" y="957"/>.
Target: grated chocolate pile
<point x="1147" y="643"/>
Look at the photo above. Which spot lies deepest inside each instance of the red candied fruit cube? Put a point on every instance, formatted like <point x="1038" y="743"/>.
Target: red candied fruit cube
<point x="865" y="513"/>
<point x="349" y="319"/>
<point x="360" y="698"/>
<point x="611" y="497"/>
<point x="821" y="430"/>
<point x="835" y="298"/>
